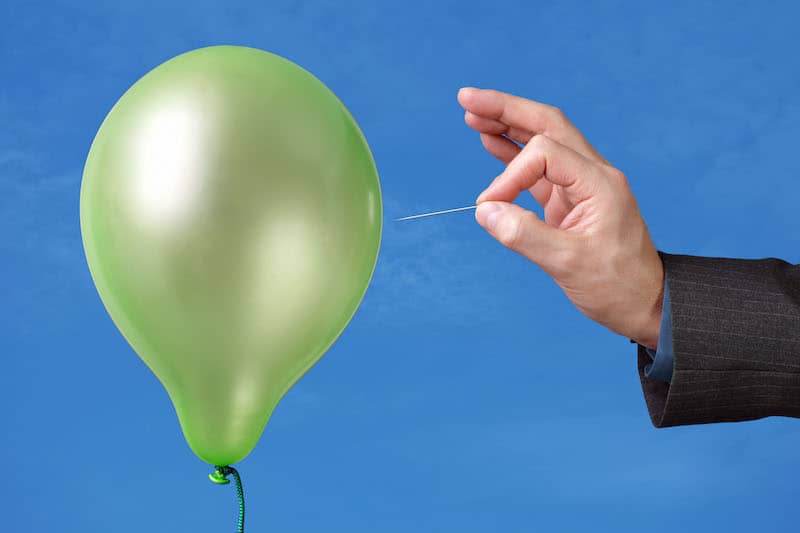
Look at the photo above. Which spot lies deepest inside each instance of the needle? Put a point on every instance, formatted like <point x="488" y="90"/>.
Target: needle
<point x="437" y="213"/>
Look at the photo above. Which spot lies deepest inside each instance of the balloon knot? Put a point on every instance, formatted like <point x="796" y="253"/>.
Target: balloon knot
<point x="220" y="475"/>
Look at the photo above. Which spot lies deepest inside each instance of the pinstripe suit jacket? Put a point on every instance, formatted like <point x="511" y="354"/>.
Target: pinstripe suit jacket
<point x="736" y="341"/>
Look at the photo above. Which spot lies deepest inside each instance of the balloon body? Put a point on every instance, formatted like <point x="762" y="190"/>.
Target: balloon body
<point x="231" y="219"/>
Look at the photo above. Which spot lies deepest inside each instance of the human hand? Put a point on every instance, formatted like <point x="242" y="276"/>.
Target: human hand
<point x="593" y="240"/>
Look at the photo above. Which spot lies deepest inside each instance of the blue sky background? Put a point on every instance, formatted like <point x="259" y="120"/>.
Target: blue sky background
<point x="467" y="394"/>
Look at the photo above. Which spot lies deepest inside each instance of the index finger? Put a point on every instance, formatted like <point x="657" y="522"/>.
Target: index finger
<point x="503" y="110"/>
<point x="544" y="158"/>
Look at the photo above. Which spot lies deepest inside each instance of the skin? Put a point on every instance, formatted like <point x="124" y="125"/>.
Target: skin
<point x="593" y="241"/>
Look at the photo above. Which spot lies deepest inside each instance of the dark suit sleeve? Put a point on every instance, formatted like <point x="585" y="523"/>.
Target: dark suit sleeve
<point x="735" y="341"/>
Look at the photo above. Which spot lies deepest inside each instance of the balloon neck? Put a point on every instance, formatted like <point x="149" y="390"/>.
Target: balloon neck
<point x="219" y="475"/>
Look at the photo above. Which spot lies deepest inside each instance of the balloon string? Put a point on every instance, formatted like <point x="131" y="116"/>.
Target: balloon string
<point x="219" y="476"/>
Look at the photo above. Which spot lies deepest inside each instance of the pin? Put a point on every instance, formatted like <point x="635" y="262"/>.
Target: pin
<point x="437" y="213"/>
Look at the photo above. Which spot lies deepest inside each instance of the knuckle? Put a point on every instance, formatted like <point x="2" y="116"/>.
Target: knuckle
<point x="557" y="116"/>
<point x="538" y="143"/>
<point x="566" y="261"/>
<point x="571" y="259"/>
<point x="616" y="175"/>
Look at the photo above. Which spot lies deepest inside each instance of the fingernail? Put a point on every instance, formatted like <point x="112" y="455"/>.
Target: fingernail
<point x="486" y="214"/>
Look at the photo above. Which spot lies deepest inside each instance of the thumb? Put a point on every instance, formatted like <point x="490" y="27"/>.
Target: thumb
<point x="523" y="231"/>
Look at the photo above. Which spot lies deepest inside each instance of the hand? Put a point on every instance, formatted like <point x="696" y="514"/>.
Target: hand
<point x="593" y="240"/>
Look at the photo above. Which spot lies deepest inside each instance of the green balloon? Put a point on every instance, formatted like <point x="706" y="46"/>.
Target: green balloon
<point x="231" y="218"/>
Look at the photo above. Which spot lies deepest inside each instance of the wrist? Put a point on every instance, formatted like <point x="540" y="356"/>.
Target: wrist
<point x="647" y="316"/>
<point x="652" y="310"/>
<point x="649" y="336"/>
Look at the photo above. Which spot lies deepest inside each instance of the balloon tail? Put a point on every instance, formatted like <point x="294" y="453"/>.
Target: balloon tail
<point x="220" y="477"/>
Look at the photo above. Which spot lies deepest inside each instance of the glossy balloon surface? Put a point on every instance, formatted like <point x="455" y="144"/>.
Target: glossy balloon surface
<point x="231" y="218"/>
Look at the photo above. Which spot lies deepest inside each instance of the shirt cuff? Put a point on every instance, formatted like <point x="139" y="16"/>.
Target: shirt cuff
<point x="661" y="367"/>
